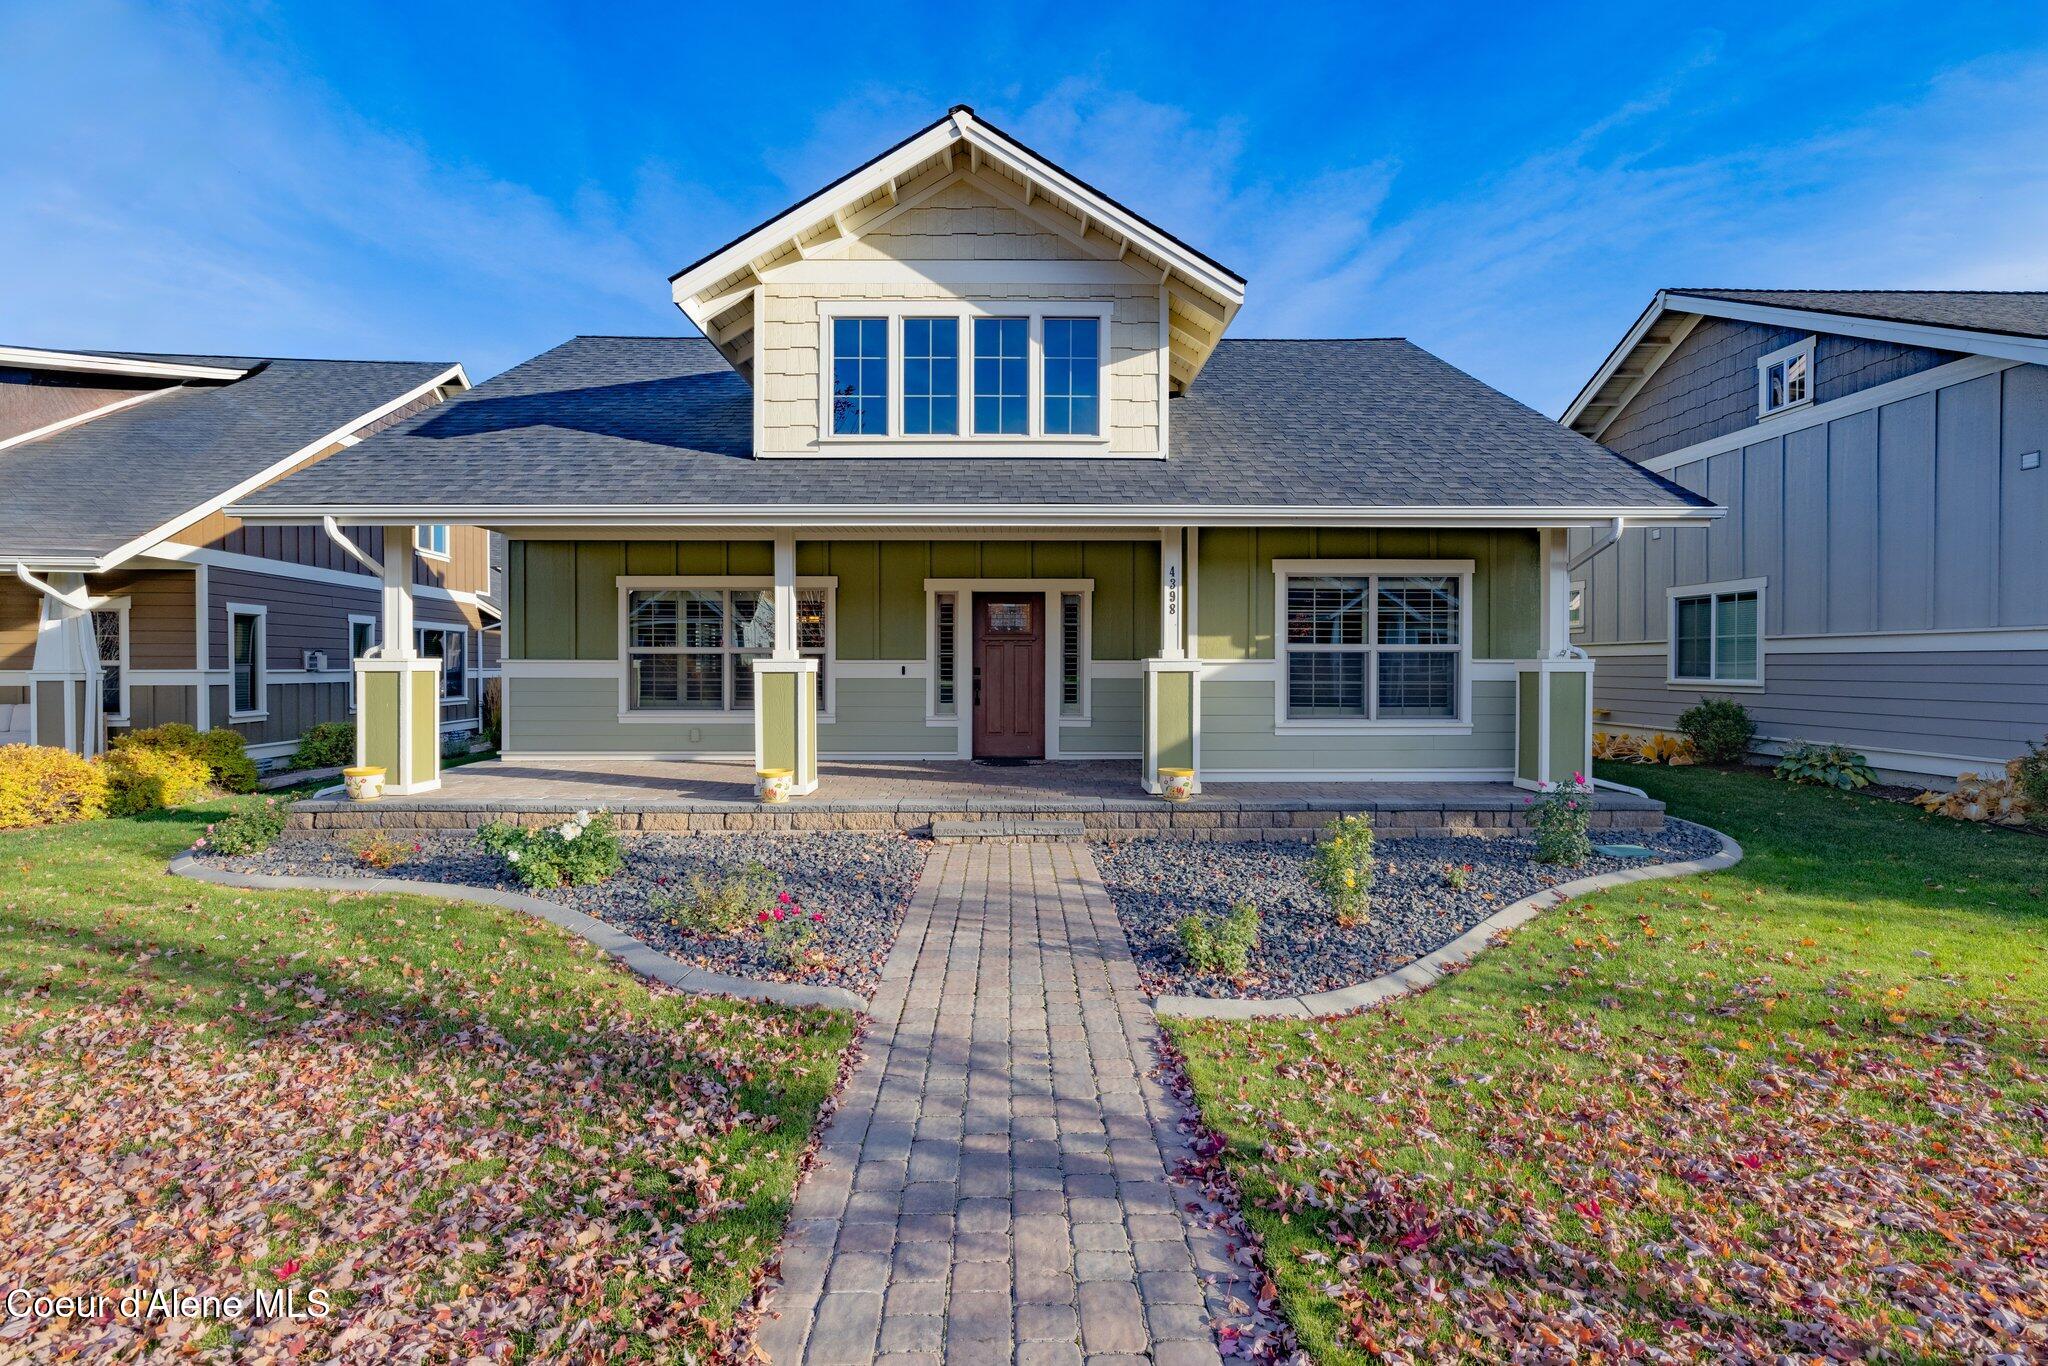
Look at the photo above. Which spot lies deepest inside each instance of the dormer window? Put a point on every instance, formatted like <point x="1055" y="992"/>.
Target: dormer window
<point x="1784" y="378"/>
<point x="928" y="377"/>
<point x="931" y="376"/>
<point x="1002" y="350"/>
<point x="860" y="376"/>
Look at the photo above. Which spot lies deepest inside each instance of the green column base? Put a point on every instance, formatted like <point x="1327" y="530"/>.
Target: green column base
<point x="398" y="722"/>
<point x="1553" y="721"/>
<point x="1171" y="719"/>
<point x="786" y="720"/>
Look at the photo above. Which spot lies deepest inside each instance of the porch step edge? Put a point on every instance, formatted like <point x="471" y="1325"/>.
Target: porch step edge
<point x="962" y="832"/>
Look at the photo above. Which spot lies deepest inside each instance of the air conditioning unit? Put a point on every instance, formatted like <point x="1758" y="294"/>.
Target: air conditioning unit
<point x="316" y="661"/>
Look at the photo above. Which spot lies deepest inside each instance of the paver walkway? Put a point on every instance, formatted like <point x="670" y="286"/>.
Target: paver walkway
<point x="995" y="1183"/>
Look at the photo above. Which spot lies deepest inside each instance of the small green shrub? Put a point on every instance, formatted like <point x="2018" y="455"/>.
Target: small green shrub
<point x="1221" y="945"/>
<point x="1342" y="868"/>
<point x="250" y="830"/>
<point x="224" y="752"/>
<point x="580" y="851"/>
<point x="1457" y="876"/>
<point x="709" y="904"/>
<point x="141" y="778"/>
<point x="2030" y="776"/>
<point x="1720" y="730"/>
<point x="331" y="744"/>
<point x="1829" y="765"/>
<point x="1562" y="815"/>
<point x="45" y="785"/>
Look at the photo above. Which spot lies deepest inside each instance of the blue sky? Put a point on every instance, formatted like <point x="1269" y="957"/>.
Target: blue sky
<point x="1506" y="185"/>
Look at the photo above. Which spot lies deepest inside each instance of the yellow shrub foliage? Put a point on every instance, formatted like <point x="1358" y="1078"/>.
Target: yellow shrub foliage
<point x="143" y="779"/>
<point x="1638" y="749"/>
<point x="1976" y="798"/>
<point x="43" y="785"/>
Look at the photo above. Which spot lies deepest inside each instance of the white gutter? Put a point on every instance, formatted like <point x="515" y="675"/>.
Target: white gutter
<point x="1613" y="535"/>
<point x="350" y="548"/>
<point x="88" y="658"/>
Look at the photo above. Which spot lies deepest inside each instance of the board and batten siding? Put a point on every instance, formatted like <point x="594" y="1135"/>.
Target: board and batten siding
<point x="1707" y="388"/>
<point x="962" y="222"/>
<point x="1894" y="524"/>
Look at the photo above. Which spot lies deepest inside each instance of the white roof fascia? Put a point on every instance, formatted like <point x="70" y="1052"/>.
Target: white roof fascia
<point x="29" y="358"/>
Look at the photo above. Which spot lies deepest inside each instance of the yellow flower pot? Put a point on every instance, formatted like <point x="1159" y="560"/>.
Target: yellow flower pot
<point x="1177" y="784"/>
<point x="772" y="785"/>
<point x="364" y="784"/>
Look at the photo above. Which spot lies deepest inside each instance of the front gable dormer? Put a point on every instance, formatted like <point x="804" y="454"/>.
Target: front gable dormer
<point x="959" y="295"/>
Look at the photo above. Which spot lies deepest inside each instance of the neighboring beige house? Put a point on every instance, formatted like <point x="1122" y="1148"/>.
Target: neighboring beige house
<point x="129" y="598"/>
<point x="1880" y="580"/>
<point x="967" y="467"/>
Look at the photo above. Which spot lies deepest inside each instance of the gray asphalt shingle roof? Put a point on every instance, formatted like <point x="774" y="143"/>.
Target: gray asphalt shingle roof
<point x="2019" y="313"/>
<point x="94" y="487"/>
<point x="658" y="421"/>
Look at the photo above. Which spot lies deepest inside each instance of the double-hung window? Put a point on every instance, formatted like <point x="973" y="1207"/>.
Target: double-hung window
<point x="693" y="649"/>
<point x="860" y="376"/>
<point x="1364" y="645"/>
<point x="450" y="645"/>
<point x="1716" y="633"/>
<point x="245" y="662"/>
<point x="431" y="538"/>
<point x="1784" y="378"/>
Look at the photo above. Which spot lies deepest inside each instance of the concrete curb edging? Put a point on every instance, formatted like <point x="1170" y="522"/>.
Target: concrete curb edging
<point x="1427" y="971"/>
<point x="638" y="955"/>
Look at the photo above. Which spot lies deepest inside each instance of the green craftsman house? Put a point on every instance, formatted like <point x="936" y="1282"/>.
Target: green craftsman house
<point x="966" y="466"/>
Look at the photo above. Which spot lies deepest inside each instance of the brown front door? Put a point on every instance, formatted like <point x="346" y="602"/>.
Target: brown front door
<point x="1009" y="676"/>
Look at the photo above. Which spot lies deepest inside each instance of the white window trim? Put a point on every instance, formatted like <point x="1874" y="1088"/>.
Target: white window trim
<point x="1784" y="355"/>
<point x="259" y="681"/>
<point x="1056" y="627"/>
<point x="419" y="628"/>
<point x="627" y="583"/>
<point x="1461" y="570"/>
<point x="427" y="552"/>
<point x="376" y="626"/>
<point x="126" y="663"/>
<point x="1672" y="596"/>
<point x="1575" y="606"/>
<point x="1035" y="441"/>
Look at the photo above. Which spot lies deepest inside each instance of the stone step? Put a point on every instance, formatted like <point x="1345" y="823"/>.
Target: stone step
<point x="982" y="832"/>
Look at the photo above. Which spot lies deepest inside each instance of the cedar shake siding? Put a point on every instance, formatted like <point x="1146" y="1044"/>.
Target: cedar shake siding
<point x="1708" y="386"/>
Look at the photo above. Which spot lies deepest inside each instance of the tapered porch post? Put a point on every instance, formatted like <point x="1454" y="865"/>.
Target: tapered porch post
<point x="1172" y="682"/>
<point x="398" y="694"/>
<point x="785" y="694"/>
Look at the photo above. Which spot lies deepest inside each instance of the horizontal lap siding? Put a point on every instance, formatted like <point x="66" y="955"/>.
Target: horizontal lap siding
<point x="1961" y="704"/>
<point x="1237" y="733"/>
<point x="1116" y="713"/>
<point x="581" y="716"/>
<point x="881" y="716"/>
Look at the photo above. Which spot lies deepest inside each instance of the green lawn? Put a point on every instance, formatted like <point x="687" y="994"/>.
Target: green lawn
<point x="466" y="1127"/>
<point x="1797" y="1106"/>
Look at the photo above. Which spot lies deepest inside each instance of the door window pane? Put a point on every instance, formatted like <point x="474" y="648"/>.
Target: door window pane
<point x="1001" y="359"/>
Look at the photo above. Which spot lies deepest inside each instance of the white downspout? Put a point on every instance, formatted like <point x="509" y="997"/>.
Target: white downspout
<point x="1613" y="535"/>
<point x="88" y="655"/>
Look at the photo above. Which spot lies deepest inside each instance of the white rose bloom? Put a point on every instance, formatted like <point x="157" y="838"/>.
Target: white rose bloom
<point x="570" y="830"/>
<point x="511" y="856"/>
<point x="582" y="818"/>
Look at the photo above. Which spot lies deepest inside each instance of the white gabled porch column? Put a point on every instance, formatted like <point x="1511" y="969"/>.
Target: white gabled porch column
<point x="398" y="694"/>
<point x="786" y="690"/>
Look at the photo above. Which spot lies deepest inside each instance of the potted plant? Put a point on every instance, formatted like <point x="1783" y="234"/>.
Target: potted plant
<point x="364" y="783"/>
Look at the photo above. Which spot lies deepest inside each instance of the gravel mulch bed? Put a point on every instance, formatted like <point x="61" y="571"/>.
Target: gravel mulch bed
<point x="861" y="882"/>
<point x="1301" y="947"/>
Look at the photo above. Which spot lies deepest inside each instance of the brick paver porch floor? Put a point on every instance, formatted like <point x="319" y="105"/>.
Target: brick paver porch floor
<point x="995" y="1184"/>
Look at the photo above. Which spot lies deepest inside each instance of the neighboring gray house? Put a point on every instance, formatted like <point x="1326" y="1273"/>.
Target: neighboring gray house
<point x="1881" y="579"/>
<point x="129" y="598"/>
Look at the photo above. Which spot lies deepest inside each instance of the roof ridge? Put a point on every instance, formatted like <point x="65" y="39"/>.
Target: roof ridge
<point x="1745" y="289"/>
